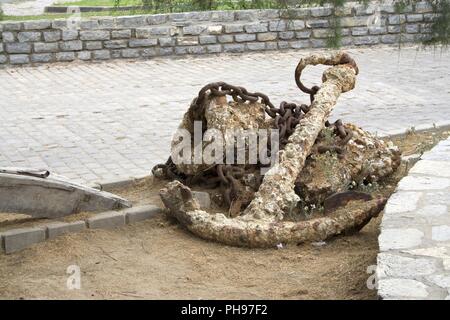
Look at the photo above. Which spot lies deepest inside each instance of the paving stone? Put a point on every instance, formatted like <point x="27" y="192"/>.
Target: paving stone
<point x="440" y="233"/>
<point x="434" y="168"/>
<point x="417" y="183"/>
<point x="18" y="239"/>
<point x="441" y="280"/>
<point x="399" y="238"/>
<point x="141" y="213"/>
<point x="56" y="229"/>
<point x="106" y="220"/>
<point x="402" y="201"/>
<point x="402" y="288"/>
<point x="396" y="266"/>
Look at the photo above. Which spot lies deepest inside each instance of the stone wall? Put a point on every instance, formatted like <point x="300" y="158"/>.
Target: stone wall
<point x="194" y="33"/>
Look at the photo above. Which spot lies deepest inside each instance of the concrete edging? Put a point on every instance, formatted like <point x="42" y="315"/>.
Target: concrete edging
<point x="17" y="239"/>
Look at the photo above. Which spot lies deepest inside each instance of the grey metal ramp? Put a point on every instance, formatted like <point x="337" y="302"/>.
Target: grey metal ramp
<point x="42" y="194"/>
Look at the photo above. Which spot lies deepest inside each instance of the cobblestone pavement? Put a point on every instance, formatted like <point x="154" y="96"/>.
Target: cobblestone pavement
<point x="24" y="8"/>
<point x="113" y="120"/>
<point x="414" y="262"/>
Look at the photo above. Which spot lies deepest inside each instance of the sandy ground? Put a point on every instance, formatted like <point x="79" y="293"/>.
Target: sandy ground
<point x="157" y="259"/>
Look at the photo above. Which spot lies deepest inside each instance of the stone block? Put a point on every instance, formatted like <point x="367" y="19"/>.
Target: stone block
<point x="121" y="34"/>
<point x="279" y="25"/>
<point x="207" y="39"/>
<point x="256" y="46"/>
<point x="397" y="19"/>
<point x="193" y="30"/>
<point x="73" y="45"/>
<point x="65" y="56"/>
<point x="130" y="53"/>
<point x="8" y="37"/>
<point x="431" y="167"/>
<point x="313" y="24"/>
<point x="19" y="59"/>
<point x="321" y="11"/>
<point x="287" y="35"/>
<point x="37" y="25"/>
<point x="166" y="42"/>
<point x="303" y="34"/>
<point x="18" y="47"/>
<point x="354" y="21"/>
<point x="234" y="28"/>
<point x="157" y="19"/>
<point x="187" y="41"/>
<point x="115" y="44"/>
<point x="225" y="38"/>
<point x="233" y="48"/>
<point x="300" y="44"/>
<point x="18" y="239"/>
<point x="93" y="45"/>
<point x="45" y="47"/>
<point x="245" y="37"/>
<point x="322" y="33"/>
<point x="414" y="17"/>
<point x="133" y="43"/>
<point x="29" y="36"/>
<point x="217" y="48"/>
<point x="296" y="25"/>
<point x="402" y="288"/>
<point x="399" y="238"/>
<point x="222" y="16"/>
<point x="215" y="30"/>
<point x="52" y="36"/>
<point x="106" y="220"/>
<point x="89" y="24"/>
<point x="366" y="40"/>
<point x="90" y="35"/>
<point x="56" y="229"/>
<point x="84" y="55"/>
<point x="41" y="57"/>
<point x="360" y="31"/>
<point x="412" y="28"/>
<point x="101" y="54"/>
<point x="12" y="26"/>
<point x="440" y="233"/>
<point x="3" y="59"/>
<point x="141" y="213"/>
<point x="268" y="36"/>
<point x="256" y="27"/>
<point x="131" y="21"/>
<point x="396" y="266"/>
<point x="69" y="35"/>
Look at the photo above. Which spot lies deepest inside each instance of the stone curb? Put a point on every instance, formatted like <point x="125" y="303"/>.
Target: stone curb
<point x="414" y="242"/>
<point x="15" y="240"/>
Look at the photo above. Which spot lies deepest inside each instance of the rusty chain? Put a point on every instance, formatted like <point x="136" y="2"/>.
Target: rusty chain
<point x="286" y="118"/>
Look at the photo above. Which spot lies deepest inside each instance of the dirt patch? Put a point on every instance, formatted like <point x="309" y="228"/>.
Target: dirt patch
<point x="157" y="259"/>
